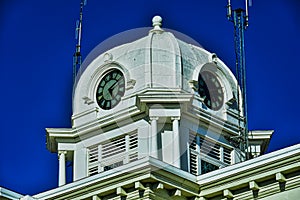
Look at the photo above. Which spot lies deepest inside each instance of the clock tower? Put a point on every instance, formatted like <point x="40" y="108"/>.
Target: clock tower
<point x="154" y="113"/>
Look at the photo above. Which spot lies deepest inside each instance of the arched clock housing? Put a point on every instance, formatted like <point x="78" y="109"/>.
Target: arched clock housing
<point x="100" y="90"/>
<point x="215" y="89"/>
<point x="211" y="90"/>
<point x="111" y="89"/>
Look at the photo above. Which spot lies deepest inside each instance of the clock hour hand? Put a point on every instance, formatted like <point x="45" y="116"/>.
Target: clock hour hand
<point x="112" y="88"/>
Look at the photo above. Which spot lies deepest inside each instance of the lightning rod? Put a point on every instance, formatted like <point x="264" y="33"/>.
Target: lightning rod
<point x="77" y="59"/>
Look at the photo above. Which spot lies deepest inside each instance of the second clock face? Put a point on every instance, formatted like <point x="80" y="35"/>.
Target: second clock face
<point x="210" y="89"/>
<point x="110" y="89"/>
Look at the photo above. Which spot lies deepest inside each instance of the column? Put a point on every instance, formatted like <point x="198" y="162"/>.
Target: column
<point x="153" y="138"/>
<point x="127" y="148"/>
<point x="62" y="168"/>
<point x="221" y="154"/>
<point x="176" y="141"/>
<point x="100" y="166"/>
<point x="199" y="167"/>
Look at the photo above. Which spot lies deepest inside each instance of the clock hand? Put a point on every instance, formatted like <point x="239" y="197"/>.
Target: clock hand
<point x="112" y="87"/>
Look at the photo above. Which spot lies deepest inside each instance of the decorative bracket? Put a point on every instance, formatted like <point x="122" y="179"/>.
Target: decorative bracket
<point x="121" y="191"/>
<point x="176" y="193"/>
<point x="253" y="185"/>
<point x="87" y="100"/>
<point x="130" y="84"/>
<point x="227" y="193"/>
<point x="280" y="177"/>
<point x="193" y="84"/>
<point x="158" y="186"/>
<point x="138" y="185"/>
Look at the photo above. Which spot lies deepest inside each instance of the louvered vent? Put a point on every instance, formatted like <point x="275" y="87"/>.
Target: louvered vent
<point x="210" y="148"/>
<point x="214" y="152"/>
<point x="193" y="163"/>
<point x="193" y="154"/>
<point x="227" y="155"/>
<point x="93" y="160"/>
<point x="193" y="141"/>
<point x="133" y="147"/>
<point x="113" y="147"/>
<point x="113" y="153"/>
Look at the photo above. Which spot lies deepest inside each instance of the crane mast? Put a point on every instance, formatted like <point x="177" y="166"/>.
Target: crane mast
<point x="239" y="17"/>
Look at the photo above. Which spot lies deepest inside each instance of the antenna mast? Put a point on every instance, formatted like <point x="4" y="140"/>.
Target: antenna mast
<point x="77" y="60"/>
<point x="240" y="17"/>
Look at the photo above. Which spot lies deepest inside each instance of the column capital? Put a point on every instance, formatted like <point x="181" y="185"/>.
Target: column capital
<point x="175" y="118"/>
<point x="62" y="152"/>
<point x="153" y="118"/>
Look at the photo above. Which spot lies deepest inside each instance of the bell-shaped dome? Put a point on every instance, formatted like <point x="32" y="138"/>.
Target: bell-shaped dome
<point x="157" y="64"/>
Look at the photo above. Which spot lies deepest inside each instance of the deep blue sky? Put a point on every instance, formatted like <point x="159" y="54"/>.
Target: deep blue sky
<point x="37" y="44"/>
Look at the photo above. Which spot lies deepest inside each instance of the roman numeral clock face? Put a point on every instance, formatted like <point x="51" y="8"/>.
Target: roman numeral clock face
<point x="110" y="89"/>
<point x="210" y="89"/>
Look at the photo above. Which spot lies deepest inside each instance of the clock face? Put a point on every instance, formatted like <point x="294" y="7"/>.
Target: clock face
<point x="110" y="89"/>
<point x="210" y="89"/>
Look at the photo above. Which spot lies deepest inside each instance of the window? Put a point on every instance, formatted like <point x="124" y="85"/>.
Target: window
<point x="207" y="155"/>
<point x="112" y="153"/>
<point x="207" y="167"/>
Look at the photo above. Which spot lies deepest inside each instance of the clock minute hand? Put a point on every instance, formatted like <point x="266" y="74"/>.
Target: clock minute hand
<point x="112" y="87"/>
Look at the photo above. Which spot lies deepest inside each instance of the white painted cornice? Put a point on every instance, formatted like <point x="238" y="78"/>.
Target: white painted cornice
<point x="216" y="182"/>
<point x="145" y="168"/>
<point x="255" y="168"/>
<point x="260" y="134"/>
<point x="76" y="134"/>
<point x="9" y="194"/>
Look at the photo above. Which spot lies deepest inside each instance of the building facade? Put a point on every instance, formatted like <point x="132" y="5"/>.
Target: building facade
<point x="159" y="118"/>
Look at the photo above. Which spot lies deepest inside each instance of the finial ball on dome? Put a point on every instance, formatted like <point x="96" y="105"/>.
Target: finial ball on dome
<point x="156" y="21"/>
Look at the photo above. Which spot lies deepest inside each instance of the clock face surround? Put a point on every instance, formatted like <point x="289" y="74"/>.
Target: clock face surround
<point x="210" y="89"/>
<point x="110" y="89"/>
